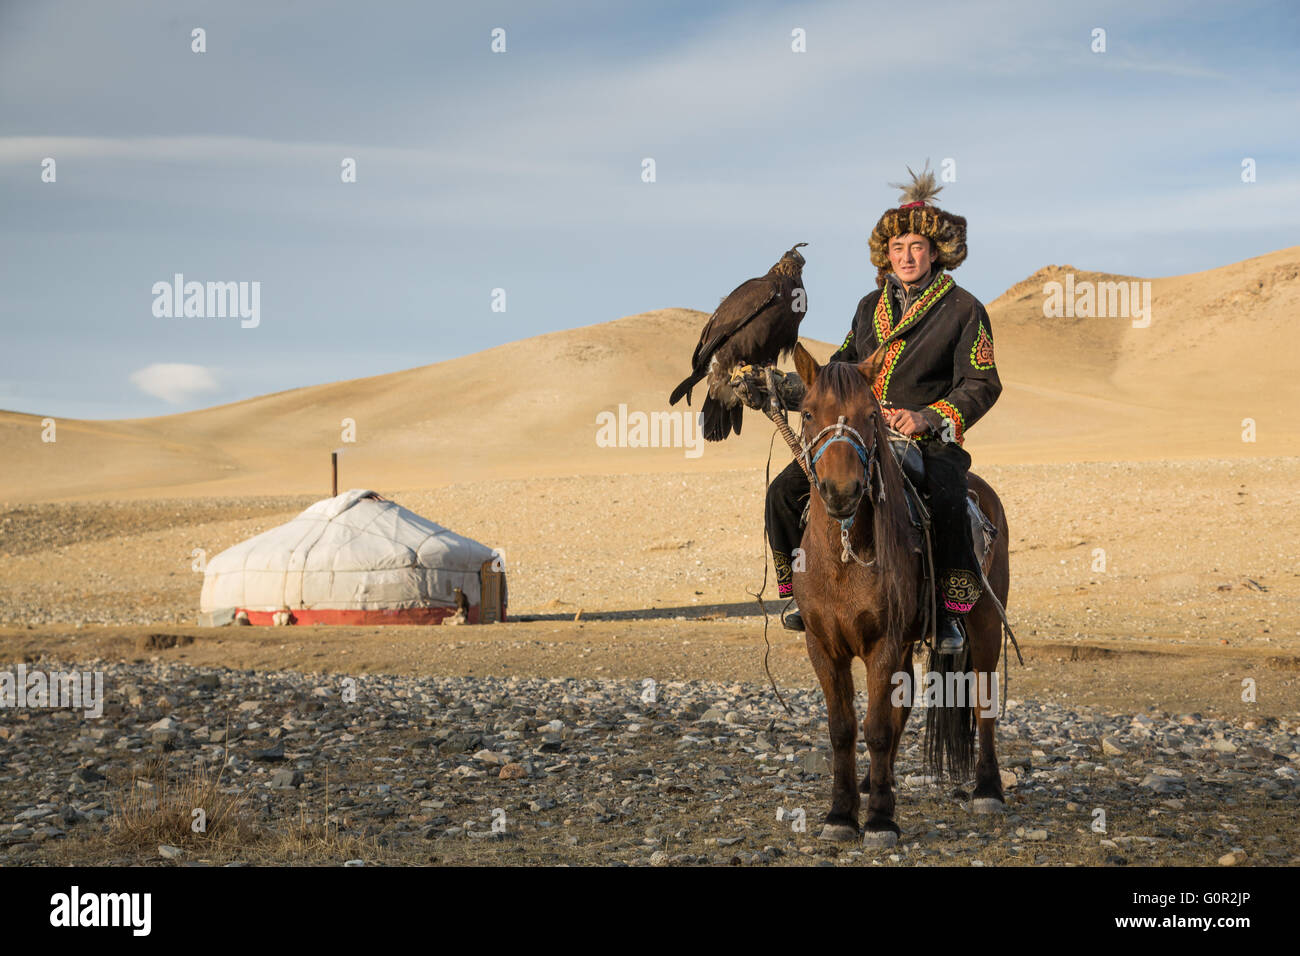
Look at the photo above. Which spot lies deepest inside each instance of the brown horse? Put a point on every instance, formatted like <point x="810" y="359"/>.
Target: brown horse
<point x="870" y="607"/>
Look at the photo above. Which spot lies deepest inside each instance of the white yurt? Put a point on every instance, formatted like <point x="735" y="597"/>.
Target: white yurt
<point x="356" y="558"/>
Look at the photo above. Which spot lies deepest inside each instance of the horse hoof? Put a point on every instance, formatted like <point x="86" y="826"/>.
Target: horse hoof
<point x="987" y="805"/>
<point x="839" y="832"/>
<point x="879" y="839"/>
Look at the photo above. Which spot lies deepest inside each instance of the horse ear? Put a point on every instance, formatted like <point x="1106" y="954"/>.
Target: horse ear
<point x="805" y="365"/>
<point x="870" y="366"/>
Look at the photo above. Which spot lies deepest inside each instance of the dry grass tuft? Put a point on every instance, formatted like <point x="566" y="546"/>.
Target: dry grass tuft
<point x="316" y="840"/>
<point x="158" y="807"/>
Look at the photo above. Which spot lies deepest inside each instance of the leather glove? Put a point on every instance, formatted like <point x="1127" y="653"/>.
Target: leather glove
<point x="750" y="384"/>
<point x="790" y="389"/>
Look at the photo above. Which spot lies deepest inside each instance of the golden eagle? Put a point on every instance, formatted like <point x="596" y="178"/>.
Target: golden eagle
<point x="755" y="325"/>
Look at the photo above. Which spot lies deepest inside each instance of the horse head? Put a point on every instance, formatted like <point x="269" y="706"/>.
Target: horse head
<point x="843" y="430"/>
<point x="846" y="446"/>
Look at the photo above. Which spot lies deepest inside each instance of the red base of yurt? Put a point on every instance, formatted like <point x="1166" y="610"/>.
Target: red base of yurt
<point x="410" y="615"/>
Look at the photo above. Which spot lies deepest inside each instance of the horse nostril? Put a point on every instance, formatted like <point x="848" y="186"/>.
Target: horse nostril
<point x="848" y="492"/>
<point x="842" y="498"/>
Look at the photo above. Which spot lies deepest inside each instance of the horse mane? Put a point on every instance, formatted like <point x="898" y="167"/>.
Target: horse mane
<point x="891" y="528"/>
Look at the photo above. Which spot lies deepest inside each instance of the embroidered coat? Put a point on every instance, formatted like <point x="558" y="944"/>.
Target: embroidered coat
<point x="939" y="352"/>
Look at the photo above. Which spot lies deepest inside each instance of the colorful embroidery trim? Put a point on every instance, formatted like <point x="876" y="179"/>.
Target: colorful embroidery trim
<point x="845" y="344"/>
<point x="881" y="385"/>
<point x="961" y="591"/>
<point x="949" y="411"/>
<point x="884" y="314"/>
<point x="981" y="353"/>
<point x="784" y="574"/>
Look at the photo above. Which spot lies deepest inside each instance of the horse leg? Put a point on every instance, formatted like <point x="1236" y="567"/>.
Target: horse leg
<point x="898" y="724"/>
<point x="985" y="635"/>
<point x="837" y="686"/>
<point x="881" y="728"/>
<point x="900" y="714"/>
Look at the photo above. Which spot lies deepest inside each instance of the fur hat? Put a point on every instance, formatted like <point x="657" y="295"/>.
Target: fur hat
<point x="917" y="214"/>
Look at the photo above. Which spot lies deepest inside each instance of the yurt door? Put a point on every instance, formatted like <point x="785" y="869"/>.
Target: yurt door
<point x="492" y="606"/>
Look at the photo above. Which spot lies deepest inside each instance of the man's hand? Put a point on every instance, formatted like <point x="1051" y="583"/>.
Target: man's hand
<point x="907" y="422"/>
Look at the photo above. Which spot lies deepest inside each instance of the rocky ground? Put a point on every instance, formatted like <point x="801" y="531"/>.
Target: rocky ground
<point x="462" y="770"/>
<point x="1147" y="596"/>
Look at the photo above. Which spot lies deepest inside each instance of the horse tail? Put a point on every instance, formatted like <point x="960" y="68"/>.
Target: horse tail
<point x="950" y="728"/>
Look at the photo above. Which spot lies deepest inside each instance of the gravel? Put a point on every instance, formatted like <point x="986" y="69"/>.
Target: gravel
<point x="583" y="770"/>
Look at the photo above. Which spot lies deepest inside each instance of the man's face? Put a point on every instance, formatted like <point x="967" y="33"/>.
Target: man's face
<point x="911" y="256"/>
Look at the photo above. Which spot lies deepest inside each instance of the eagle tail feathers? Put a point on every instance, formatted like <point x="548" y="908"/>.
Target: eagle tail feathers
<point x="684" y="388"/>
<point x="717" y="420"/>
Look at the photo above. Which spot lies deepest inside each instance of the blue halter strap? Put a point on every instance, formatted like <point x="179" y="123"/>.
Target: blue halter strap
<point x="859" y="446"/>
<point x="862" y="452"/>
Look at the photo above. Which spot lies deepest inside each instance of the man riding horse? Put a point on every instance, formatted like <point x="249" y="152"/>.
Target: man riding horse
<point x="937" y="381"/>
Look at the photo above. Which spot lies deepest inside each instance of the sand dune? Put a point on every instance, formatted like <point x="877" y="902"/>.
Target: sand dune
<point x="1218" y="350"/>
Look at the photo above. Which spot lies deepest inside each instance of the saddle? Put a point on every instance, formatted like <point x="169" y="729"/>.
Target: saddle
<point x="982" y="531"/>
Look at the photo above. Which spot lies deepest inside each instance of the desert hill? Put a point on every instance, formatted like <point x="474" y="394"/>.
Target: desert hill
<point x="526" y="408"/>
<point x="1219" y="348"/>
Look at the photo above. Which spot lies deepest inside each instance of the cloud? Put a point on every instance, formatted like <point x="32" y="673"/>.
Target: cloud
<point x="173" y="382"/>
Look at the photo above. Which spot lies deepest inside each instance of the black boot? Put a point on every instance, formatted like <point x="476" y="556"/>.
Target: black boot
<point x="950" y="637"/>
<point x="791" y="619"/>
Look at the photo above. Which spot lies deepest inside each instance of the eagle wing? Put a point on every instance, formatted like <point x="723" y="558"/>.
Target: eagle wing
<point x="736" y="311"/>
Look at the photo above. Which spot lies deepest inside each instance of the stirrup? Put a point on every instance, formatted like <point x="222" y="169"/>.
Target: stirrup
<point x="950" y="640"/>
<point x="792" y="620"/>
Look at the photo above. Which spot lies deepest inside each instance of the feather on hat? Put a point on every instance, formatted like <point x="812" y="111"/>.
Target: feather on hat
<point x="917" y="214"/>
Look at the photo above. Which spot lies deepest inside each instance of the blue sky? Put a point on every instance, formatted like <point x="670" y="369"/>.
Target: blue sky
<point x="522" y="170"/>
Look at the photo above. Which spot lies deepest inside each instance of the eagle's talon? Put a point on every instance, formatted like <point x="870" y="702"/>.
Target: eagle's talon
<point x="740" y="373"/>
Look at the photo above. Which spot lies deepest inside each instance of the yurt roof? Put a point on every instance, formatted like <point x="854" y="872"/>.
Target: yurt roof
<point x="356" y="530"/>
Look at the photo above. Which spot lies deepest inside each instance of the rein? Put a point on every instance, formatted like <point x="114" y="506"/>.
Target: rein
<point x="870" y="466"/>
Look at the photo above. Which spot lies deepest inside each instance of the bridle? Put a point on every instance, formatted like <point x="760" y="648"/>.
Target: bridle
<point x="870" y="467"/>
